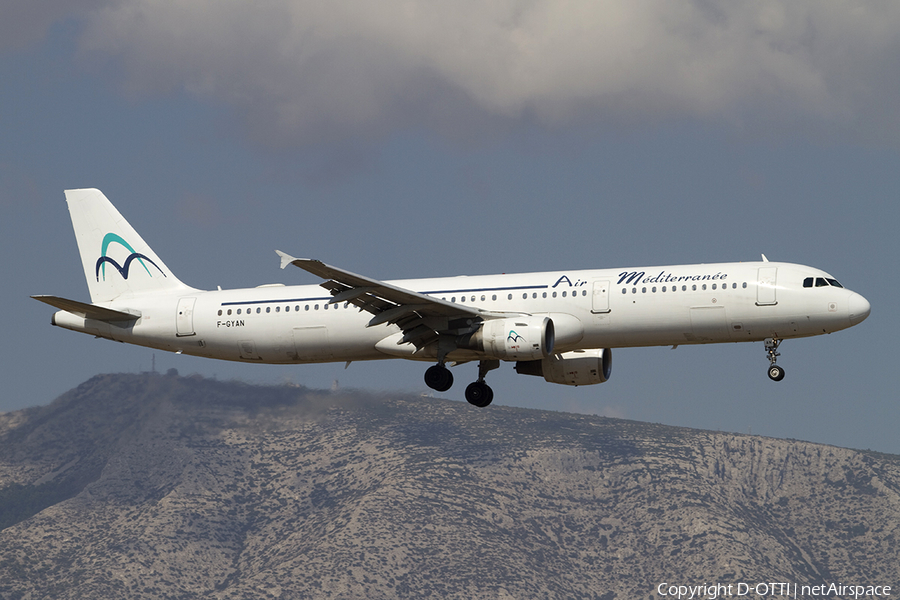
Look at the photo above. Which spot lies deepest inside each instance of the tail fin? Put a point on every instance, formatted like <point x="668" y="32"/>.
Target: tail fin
<point x="117" y="262"/>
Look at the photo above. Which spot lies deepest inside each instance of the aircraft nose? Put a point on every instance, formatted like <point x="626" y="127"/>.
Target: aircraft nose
<point x="859" y="308"/>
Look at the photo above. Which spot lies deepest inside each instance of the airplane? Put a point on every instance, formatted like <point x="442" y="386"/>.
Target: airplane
<point x="559" y="325"/>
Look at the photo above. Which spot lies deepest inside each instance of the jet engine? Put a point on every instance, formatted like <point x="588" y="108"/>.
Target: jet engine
<point x="579" y="367"/>
<point x="520" y="338"/>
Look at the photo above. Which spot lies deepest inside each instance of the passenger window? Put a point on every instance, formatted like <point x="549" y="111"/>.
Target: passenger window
<point x="544" y="295"/>
<point x="494" y="297"/>
<point x="664" y="288"/>
<point x="268" y="309"/>
<point x="643" y="290"/>
<point x="704" y="287"/>
<point x="634" y="290"/>
<point x="258" y="310"/>
<point x="684" y="288"/>
<point x="744" y="285"/>
<point x="624" y="290"/>
<point x="220" y="312"/>
<point x="509" y="297"/>
<point x="694" y="288"/>
<point x="307" y="307"/>
<point x="482" y="298"/>
<point x="564" y="294"/>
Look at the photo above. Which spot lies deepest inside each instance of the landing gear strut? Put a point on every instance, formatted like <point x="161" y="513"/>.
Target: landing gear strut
<point x="479" y="393"/>
<point x="776" y="373"/>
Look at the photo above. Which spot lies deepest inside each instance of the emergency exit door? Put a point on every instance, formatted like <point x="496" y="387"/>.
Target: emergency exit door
<point x="765" y="286"/>
<point x="600" y="297"/>
<point x="184" y="317"/>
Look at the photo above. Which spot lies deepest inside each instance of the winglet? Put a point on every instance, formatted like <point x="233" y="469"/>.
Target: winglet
<point x="286" y="259"/>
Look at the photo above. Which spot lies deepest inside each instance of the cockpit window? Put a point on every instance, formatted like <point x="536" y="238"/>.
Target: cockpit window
<point x="821" y="282"/>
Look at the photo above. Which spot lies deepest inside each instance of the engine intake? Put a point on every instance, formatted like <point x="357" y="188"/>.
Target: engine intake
<point x="524" y="338"/>
<point x="579" y="367"/>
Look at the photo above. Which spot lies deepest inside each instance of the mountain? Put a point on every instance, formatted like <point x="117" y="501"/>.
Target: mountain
<point x="161" y="486"/>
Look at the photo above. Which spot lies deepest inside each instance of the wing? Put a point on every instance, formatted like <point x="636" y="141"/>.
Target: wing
<point x="422" y="318"/>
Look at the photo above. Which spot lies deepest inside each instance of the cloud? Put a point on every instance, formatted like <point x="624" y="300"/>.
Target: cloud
<point x="25" y="22"/>
<point x="299" y="72"/>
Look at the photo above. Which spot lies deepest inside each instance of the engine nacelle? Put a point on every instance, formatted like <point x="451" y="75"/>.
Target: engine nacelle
<point x="579" y="367"/>
<point x="519" y="338"/>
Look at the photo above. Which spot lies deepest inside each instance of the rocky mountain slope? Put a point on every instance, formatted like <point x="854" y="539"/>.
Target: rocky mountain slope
<point x="152" y="486"/>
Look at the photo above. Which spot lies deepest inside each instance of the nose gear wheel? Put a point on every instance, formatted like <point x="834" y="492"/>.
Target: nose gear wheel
<point x="776" y="373"/>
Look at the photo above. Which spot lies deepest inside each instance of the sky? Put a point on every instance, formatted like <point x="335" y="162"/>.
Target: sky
<point x="416" y="139"/>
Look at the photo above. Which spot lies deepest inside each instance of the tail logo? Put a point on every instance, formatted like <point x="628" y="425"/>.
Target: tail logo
<point x="108" y="239"/>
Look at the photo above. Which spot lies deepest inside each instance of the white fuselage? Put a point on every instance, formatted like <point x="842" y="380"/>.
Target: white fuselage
<point x="606" y="308"/>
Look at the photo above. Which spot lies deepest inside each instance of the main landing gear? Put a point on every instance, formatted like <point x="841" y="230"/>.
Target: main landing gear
<point x="776" y="373"/>
<point x="478" y="393"/>
<point x="438" y="377"/>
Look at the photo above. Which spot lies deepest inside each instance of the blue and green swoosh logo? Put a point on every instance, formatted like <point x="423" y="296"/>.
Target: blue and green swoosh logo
<point x="108" y="239"/>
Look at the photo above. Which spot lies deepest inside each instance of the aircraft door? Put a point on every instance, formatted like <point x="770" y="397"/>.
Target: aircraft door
<point x="184" y="317"/>
<point x="765" y="286"/>
<point x="600" y="297"/>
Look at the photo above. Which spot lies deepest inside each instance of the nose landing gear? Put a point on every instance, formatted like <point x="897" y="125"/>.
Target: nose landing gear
<point x="776" y="373"/>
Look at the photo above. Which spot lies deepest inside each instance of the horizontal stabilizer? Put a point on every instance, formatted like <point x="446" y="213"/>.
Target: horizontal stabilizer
<point x="88" y="311"/>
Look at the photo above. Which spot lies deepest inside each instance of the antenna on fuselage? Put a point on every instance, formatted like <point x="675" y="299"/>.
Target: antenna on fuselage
<point x="764" y="258"/>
